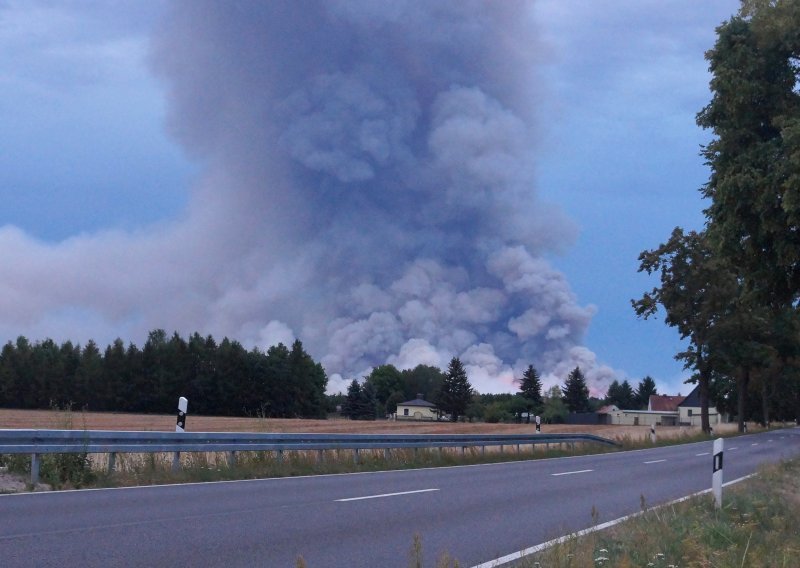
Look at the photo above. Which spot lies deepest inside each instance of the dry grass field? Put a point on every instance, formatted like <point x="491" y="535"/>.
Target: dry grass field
<point x="48" y="419"/>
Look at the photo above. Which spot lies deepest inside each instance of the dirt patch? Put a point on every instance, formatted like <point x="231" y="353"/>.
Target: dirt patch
<point x="12" y="483"/>
<point x="46" y="419"/>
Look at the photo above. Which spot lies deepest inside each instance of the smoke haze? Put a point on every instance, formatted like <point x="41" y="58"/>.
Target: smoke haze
<point x="368" y="186"/>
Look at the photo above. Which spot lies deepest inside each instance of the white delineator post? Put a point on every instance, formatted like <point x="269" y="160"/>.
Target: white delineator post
<point x="716" y="476"/>
<point x="183" y="404"/>
<point x="653" y="433"/>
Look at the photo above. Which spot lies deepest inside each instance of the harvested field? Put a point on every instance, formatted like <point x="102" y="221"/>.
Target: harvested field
<point x="48" y="419"/>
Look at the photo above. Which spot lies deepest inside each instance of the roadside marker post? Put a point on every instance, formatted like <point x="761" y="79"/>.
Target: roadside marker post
<point x="183" y="405"/>
<point x="653" y="433"/>
<point x="716" y="476"/>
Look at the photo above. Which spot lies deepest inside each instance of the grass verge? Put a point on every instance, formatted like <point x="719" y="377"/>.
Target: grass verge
<point x="757" y="526"/>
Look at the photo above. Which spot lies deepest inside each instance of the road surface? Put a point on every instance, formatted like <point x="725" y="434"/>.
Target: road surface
<point x="474" y="513"/>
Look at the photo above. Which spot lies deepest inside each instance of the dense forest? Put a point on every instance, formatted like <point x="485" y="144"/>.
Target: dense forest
<point x="226" y="379"/>
<point x="219" y="379"/>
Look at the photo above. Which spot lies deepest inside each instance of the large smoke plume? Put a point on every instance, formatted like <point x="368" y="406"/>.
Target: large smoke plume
<point x="368" y="187"/>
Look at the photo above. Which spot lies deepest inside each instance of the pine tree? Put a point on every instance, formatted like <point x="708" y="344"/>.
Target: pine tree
<point x="456" y="392"/>
<point x="575" y="392"/>
<point x="530" y="387"/>
<point x="647" y="387"/>
<point x="621" y="395"/>
<point x="352" y="404"/>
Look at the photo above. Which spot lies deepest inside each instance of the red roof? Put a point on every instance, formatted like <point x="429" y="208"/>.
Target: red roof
<point x="664" y="403"/>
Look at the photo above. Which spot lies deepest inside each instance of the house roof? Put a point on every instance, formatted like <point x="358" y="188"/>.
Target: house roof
<point x="692" y="399"/>
<point x="664" y="403"/>
<point x="417" y="402"/>
<point x="608" y="409"/>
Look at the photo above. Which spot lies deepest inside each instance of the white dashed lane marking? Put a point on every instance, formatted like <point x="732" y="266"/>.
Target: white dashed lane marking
<point x="571" y="472"/>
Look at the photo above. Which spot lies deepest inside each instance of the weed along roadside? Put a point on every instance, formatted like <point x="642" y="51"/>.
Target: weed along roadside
<point x="208" y="456"/>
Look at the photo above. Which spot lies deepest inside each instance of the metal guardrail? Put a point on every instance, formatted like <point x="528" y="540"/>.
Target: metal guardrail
<point x="37" y="442"/>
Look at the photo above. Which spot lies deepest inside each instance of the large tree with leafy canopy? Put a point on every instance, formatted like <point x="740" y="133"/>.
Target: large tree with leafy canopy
<point x="696" y="288"/>
<point x="754" y="115"/>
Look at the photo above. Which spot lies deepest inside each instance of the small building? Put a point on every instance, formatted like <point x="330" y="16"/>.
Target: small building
<point x="663" y="410"/>
<point x="639" y="418"/>
<point x="689" y="411"/>
<point x="417" y="409"/>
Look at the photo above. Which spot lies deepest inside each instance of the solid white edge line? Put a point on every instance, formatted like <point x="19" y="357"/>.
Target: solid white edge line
<point x="571" y="472"/>
<point x="704" y="454"/>
<point x="539" y="547"/>
<point x="383" y="495"/>
<point x="655" y="461"/>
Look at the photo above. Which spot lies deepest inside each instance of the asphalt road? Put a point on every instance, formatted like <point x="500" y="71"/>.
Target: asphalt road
<point x="475" y="513"/>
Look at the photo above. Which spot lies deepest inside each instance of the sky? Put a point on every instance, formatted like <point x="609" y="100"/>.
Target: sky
<point x="398" y="182"/>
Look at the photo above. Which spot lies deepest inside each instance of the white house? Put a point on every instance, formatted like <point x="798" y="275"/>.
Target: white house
<point x="417" y="409"/>
<point x="663" y="410"/>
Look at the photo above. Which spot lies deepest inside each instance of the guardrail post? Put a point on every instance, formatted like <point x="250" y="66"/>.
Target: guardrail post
<point x="483" y="451"/>
<point x="112" y="462"/>
<point x="34" y="469"/>
<point x="386" y="454"/>
<point x="355" y="456"/>
<point x="320" y="456"/>
<point x="231" y="459"/>
<point x="463" y="450"/>
<point x="280" y="457"/>
<point x="176" y="461"/>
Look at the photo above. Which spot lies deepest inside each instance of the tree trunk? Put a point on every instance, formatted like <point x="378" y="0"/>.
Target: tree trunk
<point x="704" y="422"/>
<point x="742" y="382"/>
<point x="765" y="402"/>
<point x="704" y="380"/>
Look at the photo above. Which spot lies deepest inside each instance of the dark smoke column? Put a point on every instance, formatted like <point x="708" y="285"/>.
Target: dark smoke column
<point x="369" y="175"/>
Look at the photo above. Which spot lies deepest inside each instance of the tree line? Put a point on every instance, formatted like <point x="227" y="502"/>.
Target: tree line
<point x="732" y="290"/>
<point x="378" y="395"/>
<point x="228" y="380"/>
<point x="219" y="379"/>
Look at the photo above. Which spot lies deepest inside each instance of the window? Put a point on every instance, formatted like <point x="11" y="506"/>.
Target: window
<point x="690" y="412"/>
<point x="405" y="412"/>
